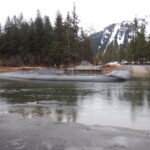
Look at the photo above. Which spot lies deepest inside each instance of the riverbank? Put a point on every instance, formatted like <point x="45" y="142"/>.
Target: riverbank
<point x="136" y="70"/>
<point x="19" y="133"/>
<point x="14" y="69"/>
<point x="139" y="69"/>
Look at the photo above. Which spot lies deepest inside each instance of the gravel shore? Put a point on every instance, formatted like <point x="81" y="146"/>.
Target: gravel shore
<point x="19" y="133"/>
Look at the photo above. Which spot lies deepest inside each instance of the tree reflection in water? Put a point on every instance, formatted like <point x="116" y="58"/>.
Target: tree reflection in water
<point x="119" y="104"/>
<point x="56" y="100"/>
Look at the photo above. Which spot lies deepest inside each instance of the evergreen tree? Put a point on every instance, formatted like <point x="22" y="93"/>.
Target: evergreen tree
<point x="137" y="48"/>
<point x="59" y="42"/>
<point x="39" y="38"/>
<point x="69" y="36"/>
<point x="0" y="30"/>
<point x="75" y="21"/>
<point x="85" y="47"/>
<point x="11" y="37"/>
<point x="131" y="51"/>
<point x="48" y="40"/>
<point x="112" y="53"/>
<point x="75" y="40"/>
<point x="141" y="43"/>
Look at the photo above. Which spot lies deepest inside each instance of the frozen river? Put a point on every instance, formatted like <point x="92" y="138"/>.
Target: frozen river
<point x="125" y="104"/>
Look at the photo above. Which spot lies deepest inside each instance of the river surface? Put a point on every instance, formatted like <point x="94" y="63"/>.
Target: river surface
<point x="124" y="104"/>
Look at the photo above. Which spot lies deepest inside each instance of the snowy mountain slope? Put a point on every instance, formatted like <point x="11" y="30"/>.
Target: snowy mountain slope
<point x="120" y="32"/>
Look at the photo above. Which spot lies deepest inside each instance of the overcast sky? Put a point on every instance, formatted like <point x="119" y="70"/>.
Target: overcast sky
<point x="95" y="14"/>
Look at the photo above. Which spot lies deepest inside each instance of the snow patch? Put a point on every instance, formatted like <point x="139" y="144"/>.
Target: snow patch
<point x="126" y="22"/>
<point x="140" y="22"/>
<point x="120" y="39"/>
<point x="116" y="28"/>
<point x="107" y="31"/>
<point x="129" y="40"/>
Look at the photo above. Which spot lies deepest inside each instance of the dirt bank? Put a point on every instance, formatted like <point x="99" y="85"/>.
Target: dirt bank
<point x="135" y="69"/>
<point x="109" y="68"/>
<point x="18" y="133"/>
<point x="14" y="69"/>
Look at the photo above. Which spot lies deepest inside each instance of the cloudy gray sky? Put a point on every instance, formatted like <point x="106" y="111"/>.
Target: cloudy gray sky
<point x="95" y="14"/>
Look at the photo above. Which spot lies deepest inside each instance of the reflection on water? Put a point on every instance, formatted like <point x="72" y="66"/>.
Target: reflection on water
<point x="124" y="104"/>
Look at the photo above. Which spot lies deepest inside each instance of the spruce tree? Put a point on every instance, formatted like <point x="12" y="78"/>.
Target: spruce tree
<point x="39" y="38"/>
<point x="59" y="40"/>
<point x="75" y="40"/>
<point x="137" y="48"/>
<point x="48" y="40"/>
<point x="141" y="43"/>
<point x="85" y="47"/>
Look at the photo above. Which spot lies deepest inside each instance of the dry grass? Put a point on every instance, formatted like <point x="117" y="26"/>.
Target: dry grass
<point x="14" y="69"/>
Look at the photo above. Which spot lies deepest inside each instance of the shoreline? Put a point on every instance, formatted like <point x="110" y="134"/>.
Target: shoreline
<point x="42" y="134"/>
<point x="138" y="69"/>
<point x="15" y="69"/>
<point x="135" y="69"/>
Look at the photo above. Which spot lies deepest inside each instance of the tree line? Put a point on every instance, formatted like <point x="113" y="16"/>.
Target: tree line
<point x="138" y="48"/>
<point x="38" y="42"/>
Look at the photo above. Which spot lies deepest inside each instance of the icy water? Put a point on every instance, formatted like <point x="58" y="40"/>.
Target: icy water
<point x="125" y="104"/>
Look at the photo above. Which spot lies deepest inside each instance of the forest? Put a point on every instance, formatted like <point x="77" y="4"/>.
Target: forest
<point x="39" y="43"/>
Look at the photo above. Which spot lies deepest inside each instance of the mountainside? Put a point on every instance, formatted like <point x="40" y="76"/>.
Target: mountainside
<point x="120" y="32"/>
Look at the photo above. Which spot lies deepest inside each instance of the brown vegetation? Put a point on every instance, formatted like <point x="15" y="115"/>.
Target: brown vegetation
<point x="14" y="69"/>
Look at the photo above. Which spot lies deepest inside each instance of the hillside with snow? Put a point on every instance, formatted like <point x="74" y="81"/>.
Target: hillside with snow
<point x="121" y="32"/>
